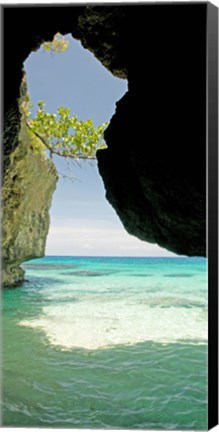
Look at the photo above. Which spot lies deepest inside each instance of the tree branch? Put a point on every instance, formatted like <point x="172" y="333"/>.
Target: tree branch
<point x="57" y="152"/>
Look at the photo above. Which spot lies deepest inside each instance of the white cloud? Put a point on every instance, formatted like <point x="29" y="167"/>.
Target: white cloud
<point x="97" y="237"/>
<point x="87" y="246"/>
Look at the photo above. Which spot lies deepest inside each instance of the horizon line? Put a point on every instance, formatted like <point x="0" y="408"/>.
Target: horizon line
<point x="121" y="256"/>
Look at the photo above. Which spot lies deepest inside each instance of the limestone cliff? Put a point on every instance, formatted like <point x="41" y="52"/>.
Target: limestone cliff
<point x="29" y="183"/>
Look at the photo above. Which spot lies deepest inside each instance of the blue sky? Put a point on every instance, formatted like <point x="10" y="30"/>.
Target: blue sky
<point x="82" y="220"/>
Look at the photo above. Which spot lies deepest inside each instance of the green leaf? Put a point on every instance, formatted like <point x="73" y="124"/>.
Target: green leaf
<point x="84" y="139"/>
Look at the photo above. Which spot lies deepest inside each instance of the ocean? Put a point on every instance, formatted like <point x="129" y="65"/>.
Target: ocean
<point x="103" y="342"/>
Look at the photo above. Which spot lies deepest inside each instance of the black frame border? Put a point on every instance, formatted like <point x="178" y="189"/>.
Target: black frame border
<point x="212" y="209"/>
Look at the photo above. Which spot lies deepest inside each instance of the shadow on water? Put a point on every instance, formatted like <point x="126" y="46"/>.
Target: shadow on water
<point x="84" y="273"/>
<point x="179" y="275"/>
<point x="45" y="266"/>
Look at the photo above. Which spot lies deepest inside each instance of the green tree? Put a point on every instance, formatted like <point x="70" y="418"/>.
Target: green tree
<point x="64" y="135"/>
<point x="58" y="45"/>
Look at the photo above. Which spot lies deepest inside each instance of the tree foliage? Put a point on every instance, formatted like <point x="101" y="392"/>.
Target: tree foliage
<point x="62" y="133"/>
<point x="58" y="45"/>
<point x="65" y="135"/>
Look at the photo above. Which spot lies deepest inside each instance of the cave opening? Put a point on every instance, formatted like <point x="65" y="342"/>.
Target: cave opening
<point x="82" y="222"/>
<point x="93" y="270"/>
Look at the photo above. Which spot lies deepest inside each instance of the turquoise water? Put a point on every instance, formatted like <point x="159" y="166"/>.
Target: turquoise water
<point x="107" y="343"/>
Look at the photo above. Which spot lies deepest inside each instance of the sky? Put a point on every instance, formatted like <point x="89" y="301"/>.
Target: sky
<point x="82" y="222"/>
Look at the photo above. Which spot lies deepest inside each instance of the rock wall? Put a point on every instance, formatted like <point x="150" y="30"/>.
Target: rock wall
<point x="29" y="183"/>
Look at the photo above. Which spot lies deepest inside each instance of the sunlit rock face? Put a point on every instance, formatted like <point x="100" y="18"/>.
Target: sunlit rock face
<point x="29" y="183"/>
<point x="154" y="169"/>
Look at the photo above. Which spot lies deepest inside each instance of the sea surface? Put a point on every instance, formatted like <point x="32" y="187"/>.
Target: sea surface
<point x="110" y="343"/>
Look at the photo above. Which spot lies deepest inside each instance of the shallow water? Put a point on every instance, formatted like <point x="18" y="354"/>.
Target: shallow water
<point x="107" y="343"/>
